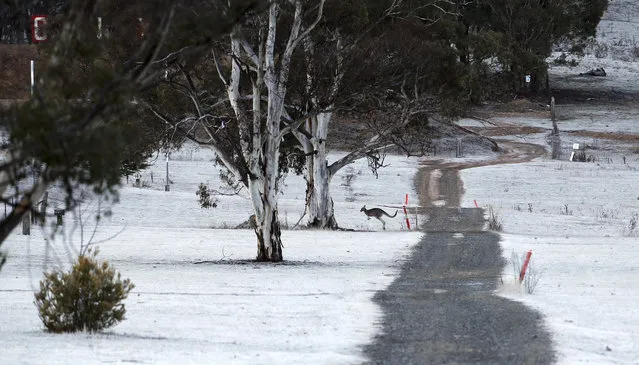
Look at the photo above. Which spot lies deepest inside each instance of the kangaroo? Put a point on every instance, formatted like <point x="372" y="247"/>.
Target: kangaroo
<point x="377" y="213"/>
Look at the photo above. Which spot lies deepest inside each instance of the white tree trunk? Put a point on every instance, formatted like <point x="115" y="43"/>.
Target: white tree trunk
<point x="261" y="155"/>
<point x="319" y="202"/>
<point x="267" y="229"/>
<point x="272" y="249"/>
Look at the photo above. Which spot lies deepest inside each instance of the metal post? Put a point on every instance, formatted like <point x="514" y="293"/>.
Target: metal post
<point x="32" y="76"/>
<point x="553" y="117"/>
<point x="167" y="187"/>
<point x="35" y="173"/>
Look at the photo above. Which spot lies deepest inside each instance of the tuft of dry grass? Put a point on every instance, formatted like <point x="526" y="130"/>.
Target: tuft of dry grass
<point x="494" y="221"/>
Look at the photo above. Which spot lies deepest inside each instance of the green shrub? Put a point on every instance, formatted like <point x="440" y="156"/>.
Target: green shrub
<point x="206" y="198"/>
<point x="88" y="298"/>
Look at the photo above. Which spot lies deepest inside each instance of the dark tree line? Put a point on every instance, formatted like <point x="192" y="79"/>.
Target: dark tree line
<point x="519" y="35"/>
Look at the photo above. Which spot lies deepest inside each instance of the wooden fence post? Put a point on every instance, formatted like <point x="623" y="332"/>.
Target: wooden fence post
<point x="553" y="116"/>
<point x="26" y="224"/>
<point x="43" y="207"/>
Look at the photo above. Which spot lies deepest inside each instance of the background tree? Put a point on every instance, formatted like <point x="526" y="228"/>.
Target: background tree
<point x="377" y="63"/>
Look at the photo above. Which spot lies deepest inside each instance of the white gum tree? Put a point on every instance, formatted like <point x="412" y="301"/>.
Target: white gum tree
<point x="254" y="72"/>
<point x="261" y="131"/>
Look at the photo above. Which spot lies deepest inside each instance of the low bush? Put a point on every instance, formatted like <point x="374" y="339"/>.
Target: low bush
<point x="88" y="298"/>
<point x="601" y="50"/>
<point x="632" y="229"/>
<point x="562" y="60"/>
<point x="205" y="197"/>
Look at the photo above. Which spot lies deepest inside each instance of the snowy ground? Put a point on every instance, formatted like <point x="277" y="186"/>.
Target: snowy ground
<point x="316" y="309"/>
<point x="575" y="217"/>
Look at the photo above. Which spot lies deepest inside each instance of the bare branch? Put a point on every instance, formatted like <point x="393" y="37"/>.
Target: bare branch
<point x="295" y="37"/>
<point x="320" y="11"/>
<point x="219" y="70"/>
<point x="226" y="159"/>
<point x="297" y="123"/>
<point x="248" y="50"/>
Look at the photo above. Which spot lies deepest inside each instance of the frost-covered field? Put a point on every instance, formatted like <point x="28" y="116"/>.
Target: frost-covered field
<point x="316" y="309"/>
<point x="576" y="218"/>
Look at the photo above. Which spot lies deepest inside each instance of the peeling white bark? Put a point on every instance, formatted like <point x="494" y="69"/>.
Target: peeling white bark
<point x="261" y="144"/>
<point x="319" y="201"/>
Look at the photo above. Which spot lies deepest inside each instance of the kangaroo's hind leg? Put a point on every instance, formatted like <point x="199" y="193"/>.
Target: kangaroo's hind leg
<point x="383" y="223"/>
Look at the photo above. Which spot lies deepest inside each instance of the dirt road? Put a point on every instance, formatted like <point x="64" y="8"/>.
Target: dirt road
<point x="442" y="308"/>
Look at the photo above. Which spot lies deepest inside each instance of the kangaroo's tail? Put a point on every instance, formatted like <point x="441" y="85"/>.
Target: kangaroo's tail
<point x="392" y="216"/>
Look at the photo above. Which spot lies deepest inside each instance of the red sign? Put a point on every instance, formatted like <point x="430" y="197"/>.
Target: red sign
<point x="38" y="24"/>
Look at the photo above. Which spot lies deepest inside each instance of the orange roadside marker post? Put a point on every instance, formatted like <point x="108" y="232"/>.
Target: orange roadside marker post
<point x="406" y="212"/>
<point x="525" y="266"/>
